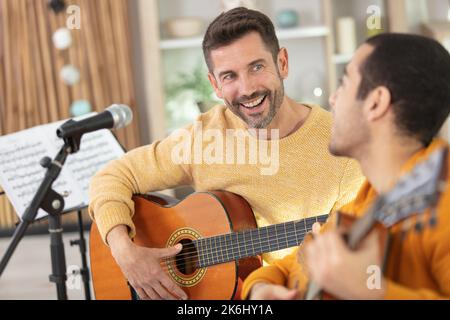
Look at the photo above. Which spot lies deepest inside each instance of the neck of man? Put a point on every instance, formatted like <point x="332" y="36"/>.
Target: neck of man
<point x="289" y="118"/>
<point x="383" y="160"/>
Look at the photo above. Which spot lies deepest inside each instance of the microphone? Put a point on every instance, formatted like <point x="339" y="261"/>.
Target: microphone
<point x="114" y="117"/>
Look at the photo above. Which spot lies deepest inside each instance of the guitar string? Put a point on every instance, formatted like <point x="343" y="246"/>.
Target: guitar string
<point x="308" y="221"/>
<point x="166" y="261"/>
<point x="213" y="261"/>
<point x="208" y="246"/>
<point x="209" y="250"/>
<point x="189" y="257"/>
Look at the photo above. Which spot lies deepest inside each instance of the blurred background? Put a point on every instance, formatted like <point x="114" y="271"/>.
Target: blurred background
<point x="60" y="59"/>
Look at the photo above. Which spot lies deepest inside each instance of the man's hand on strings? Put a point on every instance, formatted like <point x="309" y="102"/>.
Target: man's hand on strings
<point x="142" y="267"/>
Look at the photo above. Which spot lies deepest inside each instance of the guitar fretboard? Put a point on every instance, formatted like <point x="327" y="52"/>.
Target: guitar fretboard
<point x="248" y="243"/>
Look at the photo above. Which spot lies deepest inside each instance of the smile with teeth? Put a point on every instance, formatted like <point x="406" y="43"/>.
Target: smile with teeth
<point x="254" y="103"/>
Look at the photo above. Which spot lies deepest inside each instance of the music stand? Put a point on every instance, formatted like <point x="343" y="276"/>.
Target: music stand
<point x="81" y="242"/>
<point x="53" y="203"/>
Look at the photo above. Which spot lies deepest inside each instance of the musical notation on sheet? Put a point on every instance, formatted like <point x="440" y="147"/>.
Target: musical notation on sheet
<point x="21" y="173"/>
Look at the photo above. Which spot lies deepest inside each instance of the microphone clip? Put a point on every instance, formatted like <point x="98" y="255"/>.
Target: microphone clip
<point x="72" y="142"/>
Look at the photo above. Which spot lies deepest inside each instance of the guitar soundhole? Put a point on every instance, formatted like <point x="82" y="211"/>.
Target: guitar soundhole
<point x="187" y="260"/>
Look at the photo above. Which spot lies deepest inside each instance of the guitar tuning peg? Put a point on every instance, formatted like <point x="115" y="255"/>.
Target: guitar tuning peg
<point x="422" y="221"/>
<point x="433" y="221"/>
<point x="433" y="218"/>
<point x="419" y="227"/>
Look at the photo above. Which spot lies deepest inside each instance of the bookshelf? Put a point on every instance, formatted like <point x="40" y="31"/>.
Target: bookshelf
<point x="315" y="61"/>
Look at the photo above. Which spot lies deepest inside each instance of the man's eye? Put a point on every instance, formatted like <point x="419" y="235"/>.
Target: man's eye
<point x="227" y="77"/>
<point x="257" y="67"/>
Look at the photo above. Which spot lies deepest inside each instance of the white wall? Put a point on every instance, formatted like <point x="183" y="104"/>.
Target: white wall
<point x="420" y="11"/>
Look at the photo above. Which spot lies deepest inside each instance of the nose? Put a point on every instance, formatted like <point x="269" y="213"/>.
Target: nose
<point x="247" y="86"/>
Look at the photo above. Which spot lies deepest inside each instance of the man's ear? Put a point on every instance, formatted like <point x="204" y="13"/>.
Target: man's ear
<point x="377" y="103"/>
<point x="283" y="63"/>
<point x="215" y="86"/>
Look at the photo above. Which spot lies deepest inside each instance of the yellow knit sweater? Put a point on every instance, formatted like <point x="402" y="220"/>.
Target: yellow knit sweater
<point x="307" y="181"/>
<point x="418" y="265"/>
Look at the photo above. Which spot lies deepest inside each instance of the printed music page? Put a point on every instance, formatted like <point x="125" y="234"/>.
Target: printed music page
<point x="21" y="174"/>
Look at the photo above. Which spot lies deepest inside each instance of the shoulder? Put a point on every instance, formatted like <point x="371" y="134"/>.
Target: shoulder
<point x="364" y="198"/>
<point x="321" y="116"/>
<point x="319" y="123"/>
<point x="315" y="136"/>
<point x="216" y="118"/>
<point x="219" y="117"/>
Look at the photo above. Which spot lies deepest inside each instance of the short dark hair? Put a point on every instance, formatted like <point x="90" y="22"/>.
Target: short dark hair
<point x="416" y="71"/>
<point x="235" y="24"/>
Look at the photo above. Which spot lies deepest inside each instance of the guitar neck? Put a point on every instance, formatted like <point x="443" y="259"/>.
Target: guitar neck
<point x="249" y="243"/>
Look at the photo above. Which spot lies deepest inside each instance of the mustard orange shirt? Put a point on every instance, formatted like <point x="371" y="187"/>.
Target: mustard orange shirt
<point x="418" y="265"/>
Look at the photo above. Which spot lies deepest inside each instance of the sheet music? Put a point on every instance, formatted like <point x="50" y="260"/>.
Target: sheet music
<point x="21" y="173"/>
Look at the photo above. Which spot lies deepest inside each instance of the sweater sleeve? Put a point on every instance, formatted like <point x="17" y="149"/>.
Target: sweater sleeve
<point x="155" y="167"/>
<point x="276" y="273"/>
<point x="281" y="270"/>
<point x="395" y="291"/>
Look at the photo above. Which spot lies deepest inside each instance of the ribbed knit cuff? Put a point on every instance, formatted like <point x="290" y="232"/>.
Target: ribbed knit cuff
<point x="113" y="215"/>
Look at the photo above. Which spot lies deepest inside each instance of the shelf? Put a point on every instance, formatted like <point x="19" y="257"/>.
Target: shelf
<point x="342" y="58"/>
<point x="302" y="33"/>
<point x="283" y="34"/>
<point x="181" y="43"/>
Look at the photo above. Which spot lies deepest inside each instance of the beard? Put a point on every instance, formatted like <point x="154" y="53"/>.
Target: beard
<point x="259" y="121"/>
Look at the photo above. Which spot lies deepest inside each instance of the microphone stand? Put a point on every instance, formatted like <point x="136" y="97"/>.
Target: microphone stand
<point x="81" y="243"/>
<point x="53" y="203"/>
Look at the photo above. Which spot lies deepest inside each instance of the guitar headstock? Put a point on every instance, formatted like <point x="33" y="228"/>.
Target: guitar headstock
<point x="415" y="192"/>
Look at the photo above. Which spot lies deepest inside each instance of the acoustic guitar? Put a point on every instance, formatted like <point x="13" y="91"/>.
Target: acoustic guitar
<point x="221" y="244"/>
<point x="416" y="194"/>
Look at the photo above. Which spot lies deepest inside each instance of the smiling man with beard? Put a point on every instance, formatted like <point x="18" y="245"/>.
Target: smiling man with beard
<point x="248" y="75"/>
<point x="246" y="69"/>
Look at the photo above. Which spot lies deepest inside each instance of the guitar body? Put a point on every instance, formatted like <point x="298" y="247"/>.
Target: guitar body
<point x="159" y="225"/>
